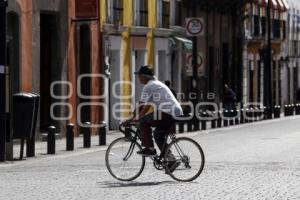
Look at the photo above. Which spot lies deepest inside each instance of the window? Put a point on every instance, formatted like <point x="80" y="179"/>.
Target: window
<point x="256" y="26"/>
<point x="263" y="26"/>
<point x="295" y="48"/>
<point x="276" y="29"/>
<point x="283" y="29"/>
<point x="143" y="12"/>
<point x="165" y="14"/>
<point x="117" y="9"/>
<point x="178" y="15"/>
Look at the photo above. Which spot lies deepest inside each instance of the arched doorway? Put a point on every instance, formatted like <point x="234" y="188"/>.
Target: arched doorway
<point x="84" y="68"/>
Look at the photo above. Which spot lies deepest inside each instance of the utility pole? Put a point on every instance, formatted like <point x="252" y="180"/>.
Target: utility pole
<point x="3" y="5"/>
<point x="268" y="97"/>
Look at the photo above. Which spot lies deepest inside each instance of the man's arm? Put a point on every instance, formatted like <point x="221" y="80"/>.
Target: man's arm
<point x="143" y="109"/>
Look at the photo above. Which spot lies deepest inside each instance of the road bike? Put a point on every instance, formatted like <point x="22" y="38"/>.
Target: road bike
<point x="182" y="158"/>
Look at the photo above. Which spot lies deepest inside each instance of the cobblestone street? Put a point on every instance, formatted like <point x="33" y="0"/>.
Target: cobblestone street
<point x="252" y="161"/>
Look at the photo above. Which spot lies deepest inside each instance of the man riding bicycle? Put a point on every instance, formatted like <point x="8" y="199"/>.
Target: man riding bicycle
<point x="166" y="110"/>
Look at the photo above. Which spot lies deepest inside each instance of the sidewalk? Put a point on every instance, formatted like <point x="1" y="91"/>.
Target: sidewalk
<point x="41" y="146"/>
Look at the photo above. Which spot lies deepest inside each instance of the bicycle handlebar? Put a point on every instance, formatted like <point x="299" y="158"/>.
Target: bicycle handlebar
<point x="123" y="126"/>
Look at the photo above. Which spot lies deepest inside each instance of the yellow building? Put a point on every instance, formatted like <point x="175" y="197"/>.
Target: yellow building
<point x="135" y="33"/>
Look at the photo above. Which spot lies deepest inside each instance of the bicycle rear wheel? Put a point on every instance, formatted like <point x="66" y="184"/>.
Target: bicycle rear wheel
<point x="122" y="161"/>
<point x="189" y="158"/>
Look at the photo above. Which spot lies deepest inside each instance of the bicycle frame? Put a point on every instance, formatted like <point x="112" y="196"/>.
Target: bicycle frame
<point x="134" y="136"/>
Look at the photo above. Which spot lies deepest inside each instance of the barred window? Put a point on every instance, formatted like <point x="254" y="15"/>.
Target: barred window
<point x="143" y="12"/>
<point x="178" y="14"/>
<point x="166" y="14"/>
<point x="118" y="10"/>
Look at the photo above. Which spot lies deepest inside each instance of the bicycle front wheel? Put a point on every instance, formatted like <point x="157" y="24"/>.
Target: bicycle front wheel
<point x="187" y="158"/>
<point x="122" y="161"/>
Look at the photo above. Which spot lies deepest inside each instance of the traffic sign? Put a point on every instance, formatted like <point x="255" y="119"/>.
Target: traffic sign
<point x="189" y="64"/>
<point x="194" y="27"/>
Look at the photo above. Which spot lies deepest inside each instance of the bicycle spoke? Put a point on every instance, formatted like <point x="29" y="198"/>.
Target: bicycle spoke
<point x="190" y="157"/>
<point x="121" y="160"/>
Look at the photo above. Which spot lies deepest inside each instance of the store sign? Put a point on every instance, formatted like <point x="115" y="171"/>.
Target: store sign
<point x="194" y="27"/>
<point x="86" y="9"/>
<point x="189" y="64"/>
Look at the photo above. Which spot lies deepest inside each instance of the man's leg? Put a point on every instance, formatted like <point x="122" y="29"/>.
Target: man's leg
<point x="146" y="132"/>
<point x="160" y="137"/>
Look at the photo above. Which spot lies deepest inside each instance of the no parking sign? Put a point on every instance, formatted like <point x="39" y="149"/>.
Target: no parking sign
<point x="194" y="27"/>
<point x="189" y="64"/>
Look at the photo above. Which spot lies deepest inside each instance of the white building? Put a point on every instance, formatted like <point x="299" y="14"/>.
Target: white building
<point x="291" y="62"/>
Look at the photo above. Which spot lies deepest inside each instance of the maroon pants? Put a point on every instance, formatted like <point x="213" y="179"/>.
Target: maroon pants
<point x="164" y="124"/>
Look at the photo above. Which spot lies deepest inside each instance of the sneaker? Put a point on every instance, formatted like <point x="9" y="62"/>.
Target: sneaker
<point x="172" y="165"/>
<point x="147" y="152"/>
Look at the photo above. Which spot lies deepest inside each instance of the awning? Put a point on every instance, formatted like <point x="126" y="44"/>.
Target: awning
<point x="286" y="5"/>
<point x="188" y="44"/>
<point x="280" y="5"/>
<point x="273" y="3"/>
<point x="276" y="4"/>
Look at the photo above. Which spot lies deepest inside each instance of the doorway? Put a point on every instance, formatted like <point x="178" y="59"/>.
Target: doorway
<point x="84" y="68"/>
<point x="48" y="58"/>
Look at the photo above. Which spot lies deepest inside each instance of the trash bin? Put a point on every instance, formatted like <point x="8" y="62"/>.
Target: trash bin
<point x="25" y="110"/>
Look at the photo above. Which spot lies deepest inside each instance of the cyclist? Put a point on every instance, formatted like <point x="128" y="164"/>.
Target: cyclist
<point x="166" y="109"/>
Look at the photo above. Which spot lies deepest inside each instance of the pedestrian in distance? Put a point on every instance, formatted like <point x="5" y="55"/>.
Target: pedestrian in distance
<point x="229" y="98"/>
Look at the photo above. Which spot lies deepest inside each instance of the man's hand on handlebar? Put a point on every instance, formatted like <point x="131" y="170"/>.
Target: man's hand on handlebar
<point x="130" y="121"/>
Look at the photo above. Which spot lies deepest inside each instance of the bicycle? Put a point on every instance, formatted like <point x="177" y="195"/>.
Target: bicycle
<point x="124" y="164"/>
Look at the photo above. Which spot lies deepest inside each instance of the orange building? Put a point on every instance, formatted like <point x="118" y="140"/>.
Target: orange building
<point x="45" y="46"/>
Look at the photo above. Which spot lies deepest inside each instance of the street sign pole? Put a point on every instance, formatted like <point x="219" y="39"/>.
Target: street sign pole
<point x="3" y="5"/>
<point x="268" y="64"/>
<point x="194" y="81"/>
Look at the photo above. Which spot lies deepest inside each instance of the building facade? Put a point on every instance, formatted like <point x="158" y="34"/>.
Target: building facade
<point x="37" y="36"/>
<point x="256" y="41"/>
<point x="135" y="33"/>
<point x="291" y="63"/>
<point x="49" y="52"/>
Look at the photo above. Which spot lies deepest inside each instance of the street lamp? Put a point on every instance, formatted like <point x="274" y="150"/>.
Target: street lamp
<point x="3" y="5"/>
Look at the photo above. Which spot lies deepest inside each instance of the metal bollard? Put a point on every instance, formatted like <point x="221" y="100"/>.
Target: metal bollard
<point x="102" y="134"/>
<point x="256" y="113"/>
<point x="297" y="109"/>
<point x="214" y="121"/>
<point x="87" y="135"/>
<point x="190" y="125"/>
<point x="237" y="121"/>
<point x="285" y="110"/>
<point x="196" y="124"/>
<point x="289" y="110"/>
<point x="251" y="115"/>
<point x="219" y="120"/>
<point x="203" y="125"/>
<point x="231" y="121"/>
<point x="181" y="126"/>
<point x="70" y="137"/>
<point x="30" y="147"/>
<point x="292" y="109"/>
<point x="51" y="140"/>
<point x="225" y="118"/>
<point x="242" y="117"/>
<point x="277" y="112"/>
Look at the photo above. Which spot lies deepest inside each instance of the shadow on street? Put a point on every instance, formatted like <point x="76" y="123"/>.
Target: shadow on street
<point x="110" y="184"/>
